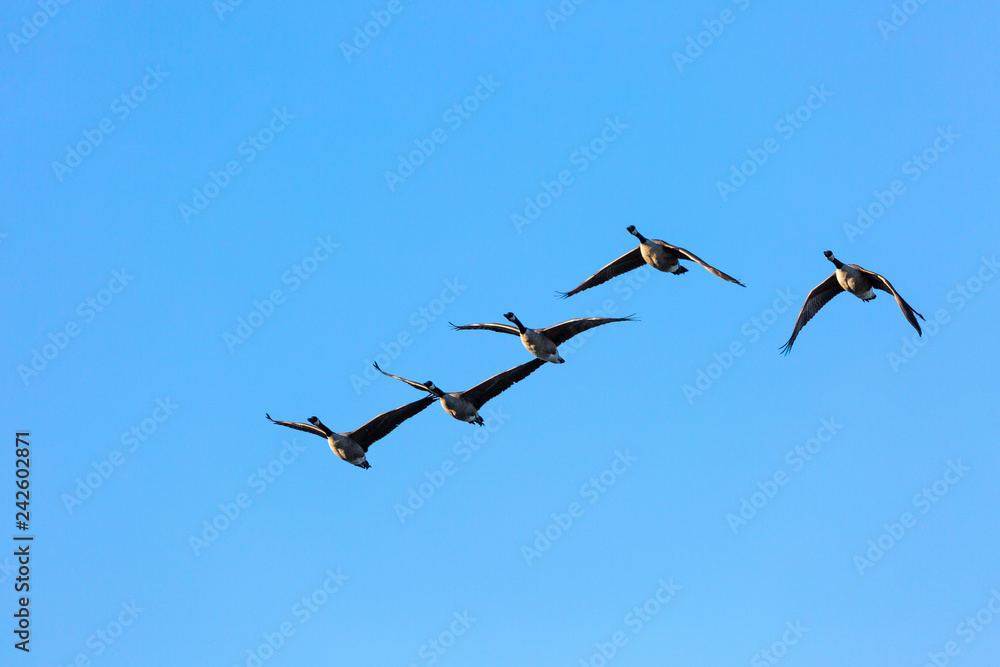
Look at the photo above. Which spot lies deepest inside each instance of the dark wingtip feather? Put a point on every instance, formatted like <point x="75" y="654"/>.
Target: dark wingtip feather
<point x="563" y="295"/>
<point x="786" y="348"/>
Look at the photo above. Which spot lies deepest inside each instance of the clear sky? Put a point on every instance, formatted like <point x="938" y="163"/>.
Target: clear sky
<point x="210" y="211"/>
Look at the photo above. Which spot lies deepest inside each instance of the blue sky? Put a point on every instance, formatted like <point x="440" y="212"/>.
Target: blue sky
<point x="210" y="211"/>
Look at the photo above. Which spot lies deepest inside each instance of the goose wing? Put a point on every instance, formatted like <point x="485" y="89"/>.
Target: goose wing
<point x="686" y="254"/>
<point x="500" y="382"/>
<point x="817" y="298"/>
<point x="560" y="333"/>
<point x="879" y="282"/>
<point x="489" y="326"/>
<point x="382" y="425"/>
<point x="627" y="262"/>
<point x="299" y="426"/>
<point x="415" y="385"/>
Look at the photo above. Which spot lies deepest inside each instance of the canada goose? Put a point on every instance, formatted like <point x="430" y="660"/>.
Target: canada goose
<point x="543" y="343"/>
<point x="854" y="280"/>
<point x="464" y="405"/>
<point x="353" y="446"/>
<point x="658" y="254"/>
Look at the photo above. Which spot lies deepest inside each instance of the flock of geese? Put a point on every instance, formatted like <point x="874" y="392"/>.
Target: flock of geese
<point x="543" y="344"/>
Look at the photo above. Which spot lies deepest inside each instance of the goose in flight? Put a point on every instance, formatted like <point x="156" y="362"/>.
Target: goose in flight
<point x="855" y="280"/>
<point x="543" y="343"/>
<point x="464" y="405"/>
<point x="353" y="446"/>
<point x="658" y="254"/>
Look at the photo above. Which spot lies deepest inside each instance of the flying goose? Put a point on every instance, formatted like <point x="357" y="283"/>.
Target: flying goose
<point x="543" y="343"/>
<point x="464" y="405"/>
<point x="353" y="446"/>
<point x="855" y="280"/>
<point x="658" y="254"/>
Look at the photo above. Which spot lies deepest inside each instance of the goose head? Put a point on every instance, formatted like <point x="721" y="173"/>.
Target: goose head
<point x="432" y="388"/>
<point x="318" y="424"/>
<point x="829" y="255"/>
<point x="632" y="230"/>
<point x="513" y="318"/>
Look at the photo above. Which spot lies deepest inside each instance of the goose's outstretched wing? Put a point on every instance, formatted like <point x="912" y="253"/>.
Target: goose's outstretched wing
<point x="817" y="298"/>
<point x="299" y="426"/>
<point x="489" y="326"/>
<point x="879" y="282"/>
<point x="686" y="254"/>
<point x="382" y="425"/>
<point x="627" y="262"/>
<point x="494" y="386"/>
<point x="415" y="385"/>
<point x="560" y="333"/>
